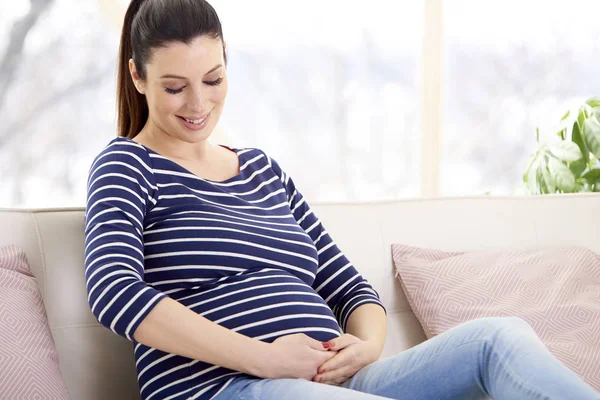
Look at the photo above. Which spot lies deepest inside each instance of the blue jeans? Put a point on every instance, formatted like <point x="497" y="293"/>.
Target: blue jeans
<point x="501" y="358"/>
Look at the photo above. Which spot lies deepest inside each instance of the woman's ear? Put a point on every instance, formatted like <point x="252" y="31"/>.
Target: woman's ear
<point x="137" y="82"/>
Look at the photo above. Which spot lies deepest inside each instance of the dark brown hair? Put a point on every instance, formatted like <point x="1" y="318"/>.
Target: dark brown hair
<point x="150" y="24"/>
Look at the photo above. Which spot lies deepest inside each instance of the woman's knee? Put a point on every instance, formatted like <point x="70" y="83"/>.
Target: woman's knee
<point x="502" y="327"/>
<point x="512" y="323"/>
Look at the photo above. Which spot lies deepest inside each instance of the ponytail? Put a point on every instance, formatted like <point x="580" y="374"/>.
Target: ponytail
<point x="132" y="107"/>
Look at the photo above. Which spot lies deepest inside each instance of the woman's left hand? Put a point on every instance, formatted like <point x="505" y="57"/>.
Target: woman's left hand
<point x="353" y="355"/>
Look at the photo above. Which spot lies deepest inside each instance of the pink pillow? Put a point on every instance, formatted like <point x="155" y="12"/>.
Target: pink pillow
<point x="557" y="291"/>
<point x="28" y="358"/>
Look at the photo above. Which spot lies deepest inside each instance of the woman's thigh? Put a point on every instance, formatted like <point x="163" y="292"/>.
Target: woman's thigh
<point x="500" y="358"/>
<point x="444" y="367"/>
<point x="288" y="389"/>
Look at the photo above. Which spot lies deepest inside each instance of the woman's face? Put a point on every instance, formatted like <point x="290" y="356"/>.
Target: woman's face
<point x="185" y="88"/>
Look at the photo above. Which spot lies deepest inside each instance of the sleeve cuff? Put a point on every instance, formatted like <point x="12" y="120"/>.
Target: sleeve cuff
<point x="353" y="304"/>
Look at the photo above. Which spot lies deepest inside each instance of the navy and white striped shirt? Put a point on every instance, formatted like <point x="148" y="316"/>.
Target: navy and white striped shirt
<point x="246" y="253"/>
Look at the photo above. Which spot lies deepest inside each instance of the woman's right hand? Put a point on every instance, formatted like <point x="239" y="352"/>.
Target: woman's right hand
<point x="295" y="356"/>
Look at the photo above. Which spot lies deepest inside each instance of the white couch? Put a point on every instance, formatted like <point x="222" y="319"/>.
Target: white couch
<point x="98" y="365"/>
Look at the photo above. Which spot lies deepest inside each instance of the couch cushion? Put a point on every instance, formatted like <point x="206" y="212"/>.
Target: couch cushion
<point x="556" y="290"/>
<point x="28" y="358"/>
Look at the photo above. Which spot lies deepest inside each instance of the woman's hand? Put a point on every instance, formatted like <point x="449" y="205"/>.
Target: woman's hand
<point x="295" y="356"/>
<point x="353" y="354"/>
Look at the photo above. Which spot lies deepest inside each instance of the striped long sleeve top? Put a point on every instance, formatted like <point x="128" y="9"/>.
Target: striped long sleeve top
<point x="246" y="253"/>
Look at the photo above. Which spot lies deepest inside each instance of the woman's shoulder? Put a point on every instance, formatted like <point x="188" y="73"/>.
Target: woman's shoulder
<point x="255" y="153"/>
<point x="122" y="149"/>
<point x="123" y="156"/>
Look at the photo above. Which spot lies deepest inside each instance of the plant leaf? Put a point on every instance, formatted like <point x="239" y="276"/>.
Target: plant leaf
<point x="592" y="176"/>
<point x="539" y="177"/>
<point x="591" y="135"/>
<point x="529" y="178"/>
<point x="566" y="151"/>
<point x="564" y="178"/>
<point x="582" y="115"/>
<point x="593" y="102"/>
<point x="578" y="139"/>
<point x="578" y="167"/>
<point x="545" y="178"/>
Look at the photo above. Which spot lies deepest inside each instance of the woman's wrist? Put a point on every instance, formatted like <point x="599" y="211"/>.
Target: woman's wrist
<point x="375" y="349"/>
<point x="260" y="361"/>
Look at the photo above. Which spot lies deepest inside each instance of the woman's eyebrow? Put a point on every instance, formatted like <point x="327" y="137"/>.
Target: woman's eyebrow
<point x="171" y="76"/>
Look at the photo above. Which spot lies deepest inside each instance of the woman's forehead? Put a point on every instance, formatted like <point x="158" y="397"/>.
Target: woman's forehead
<point x="198" y="57"/>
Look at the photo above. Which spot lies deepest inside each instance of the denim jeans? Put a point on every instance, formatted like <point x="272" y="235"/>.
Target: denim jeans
<point x="501" y="358"/>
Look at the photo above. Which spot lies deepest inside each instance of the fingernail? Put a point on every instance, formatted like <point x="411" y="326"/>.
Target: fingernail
<point x="331" y="344"/>
<point x="326" y="345"/>
<point x="319" y="379"/>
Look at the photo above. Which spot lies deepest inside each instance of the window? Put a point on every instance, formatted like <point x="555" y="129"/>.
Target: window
<point x="57" y="93"/>
<point x="510" y="67"/>
<point x="329" y="89"/>
<point x="346" y="96"/>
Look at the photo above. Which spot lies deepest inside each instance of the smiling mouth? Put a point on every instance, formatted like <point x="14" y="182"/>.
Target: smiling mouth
<point x="194" y="121"/>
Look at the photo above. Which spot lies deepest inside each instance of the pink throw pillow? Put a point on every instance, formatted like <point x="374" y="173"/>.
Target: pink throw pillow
<point x="28" y="357"/>
<point x="556" y="290"/>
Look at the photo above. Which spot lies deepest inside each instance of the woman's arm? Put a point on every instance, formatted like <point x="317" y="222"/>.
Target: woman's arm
<point x="360" y="346"/>
<point x="368" y="322"/>
<point x="173" y="328"/>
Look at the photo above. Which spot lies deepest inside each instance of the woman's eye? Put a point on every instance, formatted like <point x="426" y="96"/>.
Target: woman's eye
<point x="210" y="83"/>
<point x="173" y="91"/>
<point x="215" y="83"/>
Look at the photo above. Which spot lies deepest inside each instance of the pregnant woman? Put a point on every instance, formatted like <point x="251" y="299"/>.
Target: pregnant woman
<point x="212" y="263"/>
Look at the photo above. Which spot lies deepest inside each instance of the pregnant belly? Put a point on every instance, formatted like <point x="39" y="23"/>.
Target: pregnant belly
<point x="265" y="305"/>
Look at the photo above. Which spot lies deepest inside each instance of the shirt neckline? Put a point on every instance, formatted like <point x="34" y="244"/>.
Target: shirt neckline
<point x="181" y="167"/>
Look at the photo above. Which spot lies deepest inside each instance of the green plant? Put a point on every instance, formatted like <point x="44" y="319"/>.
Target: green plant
<point x="571" y="163"/>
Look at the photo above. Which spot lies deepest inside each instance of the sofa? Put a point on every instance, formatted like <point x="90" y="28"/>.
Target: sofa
<point x="98" y="365"/>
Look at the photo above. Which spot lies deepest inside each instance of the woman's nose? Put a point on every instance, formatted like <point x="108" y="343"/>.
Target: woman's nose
<point x="196" y="102"/>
